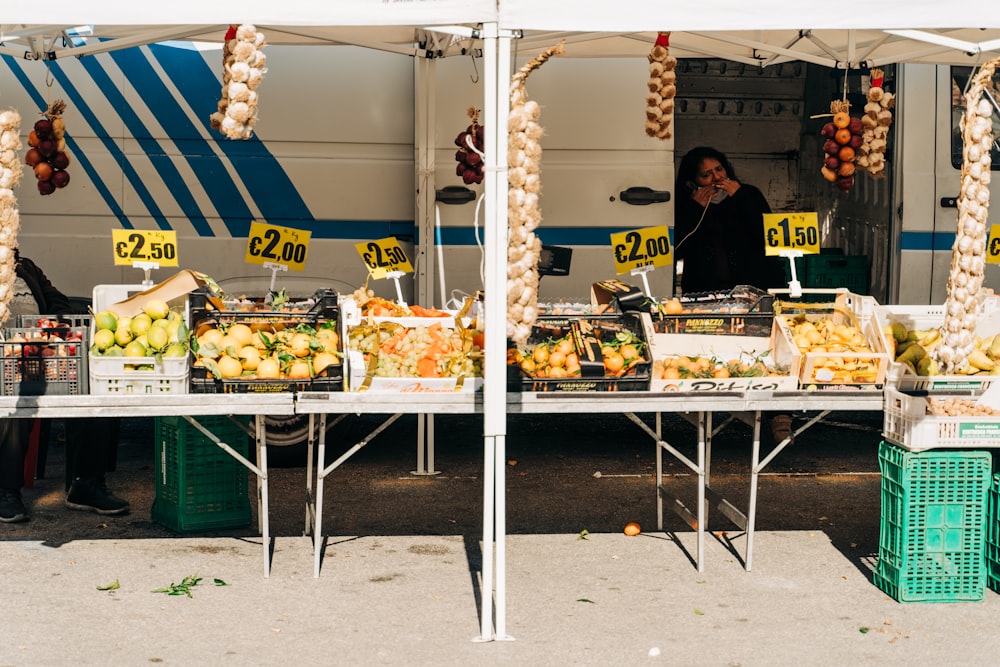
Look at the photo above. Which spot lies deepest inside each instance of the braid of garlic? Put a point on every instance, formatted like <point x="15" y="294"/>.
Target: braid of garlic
<point x="662" y="85"/>
<point x="875" y="124"/>
<point x="524" y="159"/>
<point x="242" y="71"/>
<point x="10" y="220"/>
<point x="968" y="255"/>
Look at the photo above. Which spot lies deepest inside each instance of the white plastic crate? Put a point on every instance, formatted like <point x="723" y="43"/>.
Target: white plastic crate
<point x="908" y="425"/>
<point x="932" y="317"/>
<point x="111" y="375"/>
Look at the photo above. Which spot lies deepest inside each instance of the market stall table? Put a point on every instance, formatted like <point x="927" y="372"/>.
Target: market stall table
<point x="188" y="406"/>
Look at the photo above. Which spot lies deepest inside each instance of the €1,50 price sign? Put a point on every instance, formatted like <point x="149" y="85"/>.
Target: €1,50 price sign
<point x="383" y="257"/>
<point x="641" y="249"/>
<point x="993" y="248"/>
<point x="791" y="231"/>
<point x="132" y="247"/>
<point x="277" y="247"/>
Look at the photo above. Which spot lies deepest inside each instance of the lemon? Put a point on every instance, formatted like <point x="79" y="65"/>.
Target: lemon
<point x="123" y="336"/>
<point x="175" y="350"/>
<point x="157" y="338"/>
<point x="156" y="309"/>
<point x="140" y="324"/>
<point x="103" y="339"/>
<point x="106" y="319"/>
<point x="135" y="349"/>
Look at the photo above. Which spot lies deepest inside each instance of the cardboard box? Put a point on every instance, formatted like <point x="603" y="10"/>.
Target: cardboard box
<point x="170" y="290"/>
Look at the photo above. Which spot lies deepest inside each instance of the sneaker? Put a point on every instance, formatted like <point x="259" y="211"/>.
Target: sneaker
<point x="90" y="494"/>
<point x="11" y="507"/>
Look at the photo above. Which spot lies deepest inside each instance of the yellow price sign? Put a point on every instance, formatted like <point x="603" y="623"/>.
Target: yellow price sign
<point x="791" y="231"/>
<point x="132" y="247"/>
<point x="277" y="247"/>
<point x="993" y="247"/>
<point x="383" y="257"/>
<point x="642" y="249"/>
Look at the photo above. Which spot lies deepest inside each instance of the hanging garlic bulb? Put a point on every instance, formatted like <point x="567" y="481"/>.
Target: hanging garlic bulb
<point x="662" y="87"/>
<point x="875" y="126"/>
<point x="524" y="181"/>
<point x="968" y="254"/>
<point x="242" y="71"/>
<point x="10" y="175"/>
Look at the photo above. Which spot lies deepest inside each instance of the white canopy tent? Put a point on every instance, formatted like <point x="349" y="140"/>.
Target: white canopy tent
<point x="764" y="33"/>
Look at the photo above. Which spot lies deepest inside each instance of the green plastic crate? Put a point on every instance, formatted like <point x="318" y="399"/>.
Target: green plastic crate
<point x="199" y="486"/>
<point x="829" y="270"/>
<point x="993" y="537"/>
<point x="932" y="539"/>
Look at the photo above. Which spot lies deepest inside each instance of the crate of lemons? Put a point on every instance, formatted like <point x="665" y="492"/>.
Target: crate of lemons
<point x="275" y="351"/>
<point x="156" y="333"/>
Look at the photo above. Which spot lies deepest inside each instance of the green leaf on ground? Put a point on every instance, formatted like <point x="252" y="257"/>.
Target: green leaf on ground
<point x="699" y="612"/>
<point x="219" y="582"/>
<point x="183" y="588"/>
<point x="863" y="631"/>
<point x="585" y="600"/>
<point x="113" y="586"/>
<point x="583" y="534"/>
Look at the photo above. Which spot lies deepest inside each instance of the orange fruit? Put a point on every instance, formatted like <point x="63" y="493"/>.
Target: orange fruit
<point x="322" y="360"/>
<point x="241" y="332"/>
<point x="629" y="352"/>
<point x="229" y="367"/>
<point x="210" y="336"/>
<point x="565" y="346"/>
<point x="268" y="369"/>
<point x="541" y="354"/>
<point x="614" y="362"/>
<point x="632" y="529"/>
<point x="299" y="370"/>
<point x="673" y="307"/>
<point x="299" y="345"/>
<point x="250" y="357"/>
<point x="557" y="359"/>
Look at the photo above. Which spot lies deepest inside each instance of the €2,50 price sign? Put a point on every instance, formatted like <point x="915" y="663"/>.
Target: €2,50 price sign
<point x="277" y="247"/>
<point x="993" y="248"/>
<point x="132" y="247"/>
<point x="791" y="231"/>
<point x="383" y="257"/>
<point x="641" y="249"/>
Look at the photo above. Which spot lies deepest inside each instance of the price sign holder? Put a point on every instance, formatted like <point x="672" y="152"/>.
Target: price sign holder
<point x="640" y="251"/>
<point x="794" y="286"/>
<point x="993" y="246"/>
<point x="275" y="267"/>
<point x="396" y="275"/>
<point x="146" y="250"/>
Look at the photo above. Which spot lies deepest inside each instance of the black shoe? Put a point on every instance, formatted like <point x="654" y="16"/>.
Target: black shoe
<point x="90" y="494"/>
<point x="11" y="507"/>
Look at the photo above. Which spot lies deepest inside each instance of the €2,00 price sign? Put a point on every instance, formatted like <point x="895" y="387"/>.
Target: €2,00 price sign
<point x="791" y="231"/>
<point x="132" y="247"/>
<point x="993" y="248"/>
<point x="274" y="246"/>
<point x="639" y="249"/>
<point x="383" y="257"/>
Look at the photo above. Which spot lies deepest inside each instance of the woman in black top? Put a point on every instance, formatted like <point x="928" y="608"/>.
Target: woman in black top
<point x="719" y="227"/>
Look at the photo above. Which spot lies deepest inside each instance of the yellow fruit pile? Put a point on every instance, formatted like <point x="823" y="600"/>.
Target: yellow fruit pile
<point x="267" y="352"/>
<point x="915" y="349"/>
<point x="845" y="344"/>
<point x="158" y="331"/>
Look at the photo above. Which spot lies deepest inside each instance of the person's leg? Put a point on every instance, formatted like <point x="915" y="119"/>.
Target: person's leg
<point x="93" y="442"/>
<point x="13" y="448"/>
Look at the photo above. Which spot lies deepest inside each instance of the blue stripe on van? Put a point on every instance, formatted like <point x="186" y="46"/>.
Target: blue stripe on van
<point x="80" y="159"/>
<point x="569" y="236"/>
<point x="927" y="240"/>
<point x="274" y="194"/>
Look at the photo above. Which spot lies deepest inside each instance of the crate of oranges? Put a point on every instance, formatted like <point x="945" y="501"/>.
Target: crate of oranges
<point x="582" y="353"/>
<point x="741" y="311"/>
<point x="265" y="346"/>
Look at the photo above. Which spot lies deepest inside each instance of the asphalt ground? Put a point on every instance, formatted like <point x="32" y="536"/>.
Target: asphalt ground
<point x="400" y="580"/>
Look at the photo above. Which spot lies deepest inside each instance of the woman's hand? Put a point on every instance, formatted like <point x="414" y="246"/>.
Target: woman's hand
<point x="729" y="185"/>
<point x="703" y="195"/>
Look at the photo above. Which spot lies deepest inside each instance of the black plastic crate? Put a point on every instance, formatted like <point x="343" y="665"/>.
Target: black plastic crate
<point x="741" y="311"/>
<point x="321" y="306"/>
<point x="593" y="375"/>
<point x="203" y="382"/>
